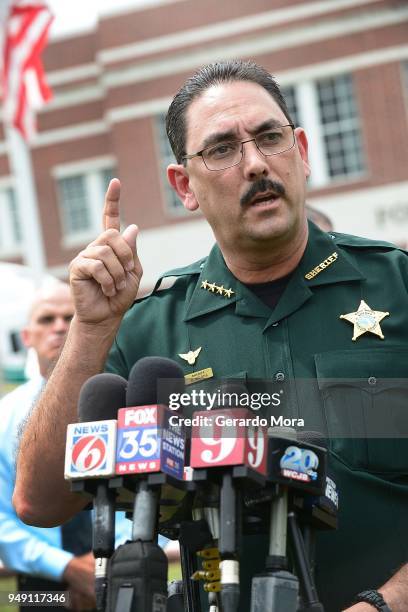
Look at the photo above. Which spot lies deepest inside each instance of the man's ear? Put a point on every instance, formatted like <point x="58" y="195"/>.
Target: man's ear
<point x="178" y="178"/>
<point x="25" y="337"/>
<point x="303" y="147"/>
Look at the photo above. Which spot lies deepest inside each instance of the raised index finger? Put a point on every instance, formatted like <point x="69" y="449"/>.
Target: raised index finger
<point x="110" y="215"/>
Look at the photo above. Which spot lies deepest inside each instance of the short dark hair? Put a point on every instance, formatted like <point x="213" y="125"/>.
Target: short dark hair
<point x="205" y="77"/>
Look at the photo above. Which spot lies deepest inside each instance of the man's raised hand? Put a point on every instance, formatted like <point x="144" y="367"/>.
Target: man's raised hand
<point x="105" y="276"/>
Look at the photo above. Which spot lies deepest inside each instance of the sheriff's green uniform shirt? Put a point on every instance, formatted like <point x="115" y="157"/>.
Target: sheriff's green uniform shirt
<point x="349" y="390"/>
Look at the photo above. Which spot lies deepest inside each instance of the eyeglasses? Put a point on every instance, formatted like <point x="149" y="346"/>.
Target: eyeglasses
<point x="227" y="154"/>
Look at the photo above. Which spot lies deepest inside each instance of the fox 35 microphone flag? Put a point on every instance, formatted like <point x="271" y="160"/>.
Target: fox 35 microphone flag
<point x="25" y="32"/>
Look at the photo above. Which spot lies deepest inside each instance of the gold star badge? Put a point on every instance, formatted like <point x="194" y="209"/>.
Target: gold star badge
<point x="220" y="289"/>
<point x="365" y="320"/>
<point x="204" y="284"/>
<point x="191" y="356"/>
<point x="211" y="287"/>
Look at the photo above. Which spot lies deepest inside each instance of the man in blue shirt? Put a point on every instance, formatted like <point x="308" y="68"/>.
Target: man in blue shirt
<point x="37" y="554"/>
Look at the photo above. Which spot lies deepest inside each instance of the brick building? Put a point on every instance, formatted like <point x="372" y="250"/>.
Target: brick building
<point x="343" y="66"/>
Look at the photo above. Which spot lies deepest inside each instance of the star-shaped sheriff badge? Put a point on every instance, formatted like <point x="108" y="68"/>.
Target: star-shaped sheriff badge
<point x="365" y="320"/>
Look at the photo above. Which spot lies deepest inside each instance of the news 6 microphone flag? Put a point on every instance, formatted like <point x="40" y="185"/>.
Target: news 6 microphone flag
<point x="25" y="33"/>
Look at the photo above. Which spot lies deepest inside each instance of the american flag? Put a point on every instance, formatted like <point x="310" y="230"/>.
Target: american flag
<point x="23" y="79"/>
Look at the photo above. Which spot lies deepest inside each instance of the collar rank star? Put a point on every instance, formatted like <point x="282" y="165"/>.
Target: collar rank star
<point x="217" y="289"/>
<point x="365" y="320"/>
<point x="191" y="356"/>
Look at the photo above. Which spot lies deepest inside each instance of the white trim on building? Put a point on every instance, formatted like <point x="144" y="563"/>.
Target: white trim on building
<point x="73" y="132"/>
<point x="83" y="166"/>
<point x="221" y="30"/>
<point x="261" y="43"/>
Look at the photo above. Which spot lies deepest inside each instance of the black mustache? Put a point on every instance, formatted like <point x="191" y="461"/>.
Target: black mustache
<point x="260" y="187"/>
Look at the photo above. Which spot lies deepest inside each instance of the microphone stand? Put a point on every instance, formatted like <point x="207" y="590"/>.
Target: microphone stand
<point x="130" y="587"/>
<point x="276" y="589"/>
<point x="229" y="566"/>
<point x="103" y="531"/>
<point x="188" y="561"/>
<point x="308" y="588"/>
<point x="103" y="540"/>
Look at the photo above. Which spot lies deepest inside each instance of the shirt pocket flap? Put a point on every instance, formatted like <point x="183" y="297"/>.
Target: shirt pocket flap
<point x="375" y="371"/>
<point x="365" y="401"/>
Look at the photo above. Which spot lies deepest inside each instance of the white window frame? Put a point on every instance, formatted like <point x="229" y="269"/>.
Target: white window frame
<point x="308" y="111"/>
<point x="404" y="82"/>
<point x="8" y="246"/>
<point x="173" y="207"/>
<point x="307" y="103"/>
<point x="345" y="126"/>
<point x="89" y="169"/>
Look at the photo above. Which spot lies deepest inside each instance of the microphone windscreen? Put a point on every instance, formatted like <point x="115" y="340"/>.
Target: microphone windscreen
<point x="101" y="397"/>
<point x="152" y="380"/>
<point x="289" y="433"/>
<point x="313" y="437"/>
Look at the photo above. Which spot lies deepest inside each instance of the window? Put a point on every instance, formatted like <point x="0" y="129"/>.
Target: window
<point x="81" y="191"/>
<point x="289" y="93"/>
<point x="172" y="202"/>
<point x="340" y="126"/>
<point x="75" y="205"/>
<point x="10" y="224"/>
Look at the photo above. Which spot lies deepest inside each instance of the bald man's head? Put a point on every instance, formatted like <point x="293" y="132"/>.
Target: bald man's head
<point x="49" y="318"/>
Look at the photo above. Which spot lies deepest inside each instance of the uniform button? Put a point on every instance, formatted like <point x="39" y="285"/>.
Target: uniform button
<point x="279" y="376"/>
<point x="372" y="380"/>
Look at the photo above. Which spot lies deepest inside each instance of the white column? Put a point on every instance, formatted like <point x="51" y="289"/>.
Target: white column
<point x="21" y="167"/>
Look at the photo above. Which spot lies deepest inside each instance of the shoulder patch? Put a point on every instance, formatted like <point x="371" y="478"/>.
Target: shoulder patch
<point x="194" y="268"/>
<point x="163" y="285"/>
<point x="169" y="279"/>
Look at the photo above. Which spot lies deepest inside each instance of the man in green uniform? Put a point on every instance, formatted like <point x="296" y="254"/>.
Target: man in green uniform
<point x="276" y="299"/>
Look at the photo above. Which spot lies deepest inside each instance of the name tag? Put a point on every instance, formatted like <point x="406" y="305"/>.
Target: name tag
<point x="198" y="376"/>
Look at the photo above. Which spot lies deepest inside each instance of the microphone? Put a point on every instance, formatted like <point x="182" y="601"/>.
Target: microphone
<point x="276" y="588"/>
<point x="149" y="452"/>
<point x="301" y="466"/>
<point x="319" y="511"/>
<point x="225" y="438"/>
<point x="90" y="453"/>
<point x="147" y="442"/>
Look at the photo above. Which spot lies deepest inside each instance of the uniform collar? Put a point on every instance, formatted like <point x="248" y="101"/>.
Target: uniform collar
<point x="214" y="272"/>
<point x="319" y="248"/>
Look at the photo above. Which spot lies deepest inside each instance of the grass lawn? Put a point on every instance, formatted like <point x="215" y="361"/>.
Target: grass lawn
<point x="174" y="572"/>
<point x="8" y="585"/>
